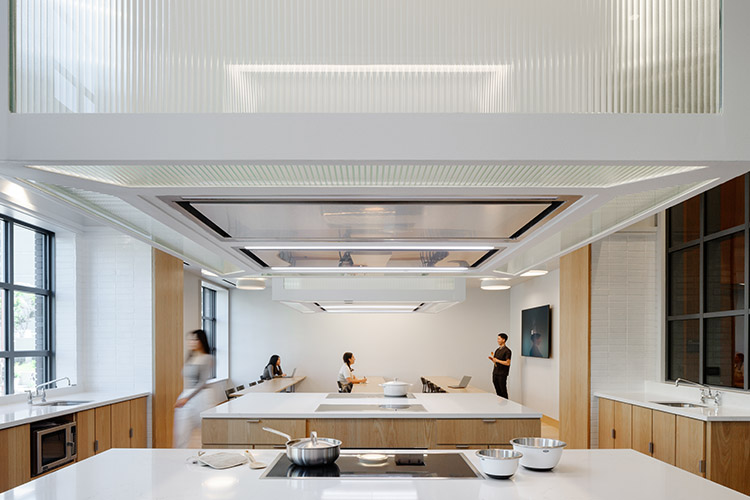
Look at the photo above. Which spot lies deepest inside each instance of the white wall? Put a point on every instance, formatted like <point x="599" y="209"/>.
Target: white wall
<point x="191" y="302"/>
<point x="454" y="342"/>
<point x="536" y="380"/>
<point x="625" y="328"/>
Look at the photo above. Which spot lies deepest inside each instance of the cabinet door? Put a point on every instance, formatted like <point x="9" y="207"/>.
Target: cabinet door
<point x="623" y="425"/>
<point x="15" y="457"/>
<point x="120" y="415"/>
<point x="606" y="424"/>
<point x="642" y="430"/>
<point x="103" y="424"/>
<point x="138" y="410"/>
<point x="663" y="436"/>
<point x="690" y="445"/>
<point x="86" y="433"/>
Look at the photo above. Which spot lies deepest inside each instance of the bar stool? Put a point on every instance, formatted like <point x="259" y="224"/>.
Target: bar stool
<point x="239" y="387"/>
<point x="229" y="391"/>
<point x="425" y="387"/>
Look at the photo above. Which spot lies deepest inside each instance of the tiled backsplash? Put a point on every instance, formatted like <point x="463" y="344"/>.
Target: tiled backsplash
<point x="624" y="323"/>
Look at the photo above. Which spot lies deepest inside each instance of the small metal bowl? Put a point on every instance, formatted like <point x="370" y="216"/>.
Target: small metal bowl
<point x="498" y="463"/>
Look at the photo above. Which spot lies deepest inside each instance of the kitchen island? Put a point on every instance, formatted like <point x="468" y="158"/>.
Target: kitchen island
<point x="443" y="421"/>
<point x="147" y="474"/>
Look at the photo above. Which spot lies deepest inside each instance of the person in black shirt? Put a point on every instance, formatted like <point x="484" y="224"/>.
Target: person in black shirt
<point x="501" y="360"/>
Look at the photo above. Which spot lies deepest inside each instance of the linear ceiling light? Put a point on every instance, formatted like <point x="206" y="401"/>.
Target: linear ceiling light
<point x="339" y="246"/>
<point x="251" y="283"/>
<point x="534" y="272"/>
<point x="374" y="307"/>
<point x="431" y="270"/>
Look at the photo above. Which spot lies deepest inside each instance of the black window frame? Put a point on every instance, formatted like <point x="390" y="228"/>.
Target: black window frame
<point x="8" y="288"/>
<point x="702" y="315"/>
<point x="208" y="321"/>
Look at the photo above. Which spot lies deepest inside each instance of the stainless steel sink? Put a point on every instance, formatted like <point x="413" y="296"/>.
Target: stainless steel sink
<point x="679" y="404"/>
<point x="62" y="403"/>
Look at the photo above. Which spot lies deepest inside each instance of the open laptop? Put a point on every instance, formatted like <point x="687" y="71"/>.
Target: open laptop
<point x="295" y="371"/>
<point x="462" y="385"/>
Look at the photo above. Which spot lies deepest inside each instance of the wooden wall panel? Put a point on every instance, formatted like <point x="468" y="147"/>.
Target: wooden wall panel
<point x="168" y="344"/>
<point x="575" y="362"/>
<point x="15" y="456"/>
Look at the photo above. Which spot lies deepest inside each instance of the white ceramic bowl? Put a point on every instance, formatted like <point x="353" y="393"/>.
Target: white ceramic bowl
<point x="499" y="464"/>
<point x="539" y="453"/>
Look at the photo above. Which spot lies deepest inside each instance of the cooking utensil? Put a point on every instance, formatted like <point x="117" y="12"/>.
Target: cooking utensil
<point x="254" y="464"/>
<point x="498" y="463"/>
<point x="394" y="388"/>
<point x="539" y="453"/>
<point x="310" y="451"/>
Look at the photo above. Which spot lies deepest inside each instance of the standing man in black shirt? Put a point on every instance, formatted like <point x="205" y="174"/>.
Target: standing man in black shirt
<point x="501" y="360"/>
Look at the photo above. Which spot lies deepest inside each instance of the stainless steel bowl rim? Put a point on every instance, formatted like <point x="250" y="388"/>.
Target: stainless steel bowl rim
<point x="545" y="443"/>
<point x="515" y="455"/>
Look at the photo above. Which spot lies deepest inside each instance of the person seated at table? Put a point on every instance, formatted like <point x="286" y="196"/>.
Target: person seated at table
<point x="346" y="378"/>
<point x="273" y="368"/>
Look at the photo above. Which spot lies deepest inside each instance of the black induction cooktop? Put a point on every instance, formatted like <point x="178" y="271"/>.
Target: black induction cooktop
<point x="383" y="407"/>
<point x="366" y="395"/>
<point x="434" y="466"/>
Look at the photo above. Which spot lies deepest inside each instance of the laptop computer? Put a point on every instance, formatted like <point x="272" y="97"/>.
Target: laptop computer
<point x="292" y="374"/>
<point x="462" y="385"/>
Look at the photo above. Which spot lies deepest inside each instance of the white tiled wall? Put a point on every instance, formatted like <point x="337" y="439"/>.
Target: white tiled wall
<point x="624" y="325"/>
<point x="116" y="313"/>
<point x="66" y="308"/>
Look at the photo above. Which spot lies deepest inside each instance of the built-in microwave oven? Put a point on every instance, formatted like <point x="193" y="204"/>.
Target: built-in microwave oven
<point x="52" y="444"/>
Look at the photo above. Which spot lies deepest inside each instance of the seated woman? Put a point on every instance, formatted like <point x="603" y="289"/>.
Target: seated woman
<point x="273" y="368"/>
<point x="346" y="378"/>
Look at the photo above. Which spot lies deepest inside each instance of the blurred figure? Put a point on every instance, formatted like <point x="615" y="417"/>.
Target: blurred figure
<point x="273" y="368"/>
<point x="738" y="371"/>
<point x="193" y="399"/>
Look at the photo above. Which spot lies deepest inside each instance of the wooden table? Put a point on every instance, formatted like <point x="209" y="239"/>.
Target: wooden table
<point x="278" y="384"/>
<point x="372" y="386"/>
<point x="444" y="382"/>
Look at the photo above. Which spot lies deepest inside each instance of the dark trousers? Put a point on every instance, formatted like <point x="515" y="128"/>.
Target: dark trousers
<point x="501" y="384"/>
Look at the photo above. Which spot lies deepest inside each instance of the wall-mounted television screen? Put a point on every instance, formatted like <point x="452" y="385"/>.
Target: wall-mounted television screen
<point x="536" y="341"/>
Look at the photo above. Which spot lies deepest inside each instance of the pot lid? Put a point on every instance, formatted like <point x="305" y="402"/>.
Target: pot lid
<point x="395" y="383"/>
<point x="314" y="442"/>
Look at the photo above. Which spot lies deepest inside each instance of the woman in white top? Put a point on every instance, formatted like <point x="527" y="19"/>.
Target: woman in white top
<point x="194" y="398"/>
<point x="346" y="377"/>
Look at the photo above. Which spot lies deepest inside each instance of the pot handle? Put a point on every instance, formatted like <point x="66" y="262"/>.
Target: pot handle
<point x="287" y="436"/>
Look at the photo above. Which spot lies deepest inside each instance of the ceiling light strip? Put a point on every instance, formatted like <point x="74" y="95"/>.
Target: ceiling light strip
<point x="346" y="270"/>
<point x="364" y="247"/>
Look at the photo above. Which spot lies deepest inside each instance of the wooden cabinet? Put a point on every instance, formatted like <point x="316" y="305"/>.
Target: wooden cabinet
<point x="494" y="432"/>
<point x="15" y="457"/>
<point x="728" y="454"/>
<point x="653" y="433"/>
<point x="138" y="423"/>
<point x="376" y="432"/>
<point x="615" y="424"/>
<point x="690" y="445"/>
<point x="103" y="425"/>
<point x="240" y="431"/>
<point x="94" y="431"/>
<point x="120" y="424"/>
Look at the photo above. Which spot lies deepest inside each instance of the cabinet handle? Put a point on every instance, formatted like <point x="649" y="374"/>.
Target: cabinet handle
<point x="702" y="466"/>
<point x="462" y="446"/>
<point x="131" y="432"/>
<point x="253" y="421"/>
<point x="96" y="445"/>
<point x="489" y="420"/>
<point x="651" y="448"/>
<point x="613" y="434"/>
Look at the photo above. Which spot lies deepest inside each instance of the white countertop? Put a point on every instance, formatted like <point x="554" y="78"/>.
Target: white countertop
<point x="645" y="399"/>
<point x="15" y="414"/>
<point x="125" y="474"/>
<point x="303" y="405"/>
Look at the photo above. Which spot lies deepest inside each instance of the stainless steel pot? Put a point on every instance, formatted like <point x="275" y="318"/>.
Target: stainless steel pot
<point x="312" y="451"/>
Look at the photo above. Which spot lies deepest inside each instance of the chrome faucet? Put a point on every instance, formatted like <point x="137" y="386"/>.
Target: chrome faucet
<point x="44" y="389"/>
<point x="707" y="395"/>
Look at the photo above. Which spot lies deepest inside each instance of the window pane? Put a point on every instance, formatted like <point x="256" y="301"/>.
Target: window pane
<point x="684" y="281"/>
<point x="725" y="205"/>
<point x="725" y="347"/>
<point x="2" y="250"/>
<point x="27" y="373"/>
<point x="3" y="347"/>
<point x="28" y="322"/>
<point x="684" y="221"/>
<point x="725" y="273"/>
<point x="684" y="349"/>
<point x="28" y="257"/>
<point x="2" y="376"/>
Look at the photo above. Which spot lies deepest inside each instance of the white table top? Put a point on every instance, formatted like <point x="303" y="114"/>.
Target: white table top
<point x="142" y="474"/>
<point x="274" y="385"/>
<point x="721" y="414"/>
<point x="303" y="405"/>
<point x="15" y="414"/>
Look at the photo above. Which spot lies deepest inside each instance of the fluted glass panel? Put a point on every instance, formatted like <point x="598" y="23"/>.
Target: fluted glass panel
<point x="381" y="56"/>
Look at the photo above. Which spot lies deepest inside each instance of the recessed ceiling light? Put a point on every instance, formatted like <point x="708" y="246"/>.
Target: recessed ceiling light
<point x="493" y="284"/>
<point x="534" y="272"/>
<point x="349" y="270"/>
<point x="209" y="273"/>
<point x="251" y="283"/>
<point x="340" y="247"/>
